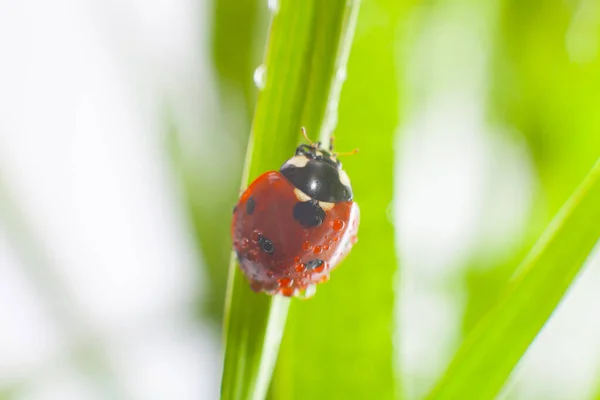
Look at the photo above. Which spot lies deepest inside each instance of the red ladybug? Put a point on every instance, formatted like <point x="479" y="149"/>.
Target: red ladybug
<point x="293" y="226"/>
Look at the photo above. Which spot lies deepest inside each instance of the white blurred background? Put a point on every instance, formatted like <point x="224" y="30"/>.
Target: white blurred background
<point x="106" y="309"/>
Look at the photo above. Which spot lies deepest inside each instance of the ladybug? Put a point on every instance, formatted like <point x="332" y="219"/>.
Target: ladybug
<point x="293" y="226"/>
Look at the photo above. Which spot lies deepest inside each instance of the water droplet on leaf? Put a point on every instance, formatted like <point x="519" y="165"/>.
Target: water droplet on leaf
<point x="260" y="76"/>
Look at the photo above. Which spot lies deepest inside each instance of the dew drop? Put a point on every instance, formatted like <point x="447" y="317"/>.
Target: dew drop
<point x="300" y="268"/>
<point x="256" y="236"/>
<point x="287" y="292"/>
<point x="318" y="250"/>
<point x="296" y="259"/>
<point x="324" y="278"/>
<point x="320" y="268"/>
<point x="338" y="225"/>
<point x="260" y="76"/>
<point x="336" y="239"/>
<point x="273" y="6"/>
<point x="285" y="282"/>
<point x="244" y="243"/>
<point x="306" y="245"/>
<point x="326" y="247"/>
<point x="309" y="291"/>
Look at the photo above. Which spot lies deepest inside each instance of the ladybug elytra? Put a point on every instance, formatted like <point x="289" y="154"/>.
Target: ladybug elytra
<point x="293" y="226"/>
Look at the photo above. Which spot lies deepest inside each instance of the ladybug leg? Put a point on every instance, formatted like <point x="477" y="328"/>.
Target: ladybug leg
<point x="331" y="143"/>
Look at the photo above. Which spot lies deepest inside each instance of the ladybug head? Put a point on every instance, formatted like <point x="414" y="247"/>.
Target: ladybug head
<point x="318" y="173"/>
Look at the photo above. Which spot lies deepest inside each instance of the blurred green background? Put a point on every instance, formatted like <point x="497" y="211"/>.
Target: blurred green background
<point x="475" y="122"/>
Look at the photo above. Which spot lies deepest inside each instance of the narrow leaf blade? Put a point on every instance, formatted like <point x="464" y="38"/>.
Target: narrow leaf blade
<point x="491" y="351"/>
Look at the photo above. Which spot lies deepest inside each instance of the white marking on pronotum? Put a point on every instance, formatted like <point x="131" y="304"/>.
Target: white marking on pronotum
<point x="297" y="161"/>
<point x="326" y="206"/>
<point x="300" y="195"/>
<point x="344" y="178"/>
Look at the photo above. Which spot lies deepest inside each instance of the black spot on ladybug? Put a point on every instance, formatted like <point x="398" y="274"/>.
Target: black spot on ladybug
<point x="266" y="245"/>
<point x="250" y="204"/>
<point x="309" y="213"/>
<point x="312" y="264"/>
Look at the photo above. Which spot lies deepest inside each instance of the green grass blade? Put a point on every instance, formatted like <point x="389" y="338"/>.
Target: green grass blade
<point x="539" y="90"/>
<point x="302" y="55"/>
<point x="490" y="352"/>
<point x="339" y="345"/>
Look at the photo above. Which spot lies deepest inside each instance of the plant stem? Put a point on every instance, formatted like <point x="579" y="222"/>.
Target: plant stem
<point x="308" y="44"/>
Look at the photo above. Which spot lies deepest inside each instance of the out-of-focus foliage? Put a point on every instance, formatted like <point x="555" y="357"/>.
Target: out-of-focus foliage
<point x="234" y="42"/>
<point x="545" y="80"/>
<point x="236" y="53"/>
<point x="546" y="84"/>
<point x="500" y="339"/>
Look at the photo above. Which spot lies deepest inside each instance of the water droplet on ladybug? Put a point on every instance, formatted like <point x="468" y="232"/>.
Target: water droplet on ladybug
<point x="336" y="238"/>
<point x="318" y="250"/>
<point x="326" y="247"/>
<point x="296" y="259"/>
<point x="256" y="236"/>
<point x="312" y="265"/>
<point x="285" y="282"/>
<point x="306" y="245"/>
<point x="320" y="268"/>
<point x="300" y="268"/>
<point x="338" y="225"/>
<point x="287" y="292"/>
<point x="244" y="243"/>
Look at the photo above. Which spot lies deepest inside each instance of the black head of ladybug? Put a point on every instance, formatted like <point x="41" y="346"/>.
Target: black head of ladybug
<point x="318" y="173"/>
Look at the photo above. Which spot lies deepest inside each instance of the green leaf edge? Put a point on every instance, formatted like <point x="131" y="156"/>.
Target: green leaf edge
<point x="494" y="330"/>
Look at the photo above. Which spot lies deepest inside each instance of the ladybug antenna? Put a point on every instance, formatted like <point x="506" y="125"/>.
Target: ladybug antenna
<point x="348" y="153"/>
<point x="312" y="144"/>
